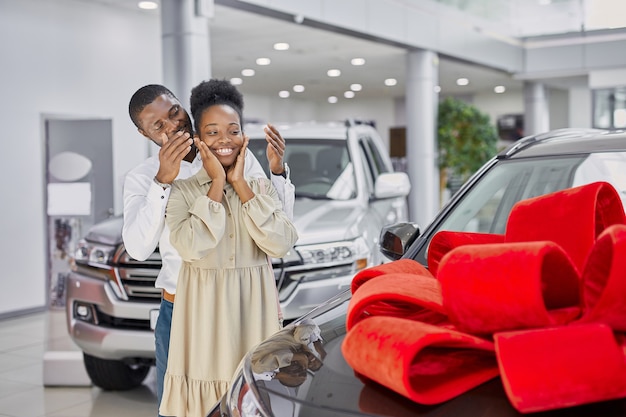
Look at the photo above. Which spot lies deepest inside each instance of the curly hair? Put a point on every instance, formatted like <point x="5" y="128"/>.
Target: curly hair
<point x="143" y="97"/>
<point x="214" y="92"/>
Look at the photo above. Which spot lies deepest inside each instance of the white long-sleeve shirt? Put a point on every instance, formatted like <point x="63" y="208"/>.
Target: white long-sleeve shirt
<point x="144" y="212"/>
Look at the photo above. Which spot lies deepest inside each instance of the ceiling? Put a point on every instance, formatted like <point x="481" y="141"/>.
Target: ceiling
<point x="239" y="37"/>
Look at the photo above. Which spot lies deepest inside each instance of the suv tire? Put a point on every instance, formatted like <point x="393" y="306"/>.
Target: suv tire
<point x="112" y="375"/>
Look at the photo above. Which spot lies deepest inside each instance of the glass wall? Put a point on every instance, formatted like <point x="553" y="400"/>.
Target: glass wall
<point x="609" y="108"/>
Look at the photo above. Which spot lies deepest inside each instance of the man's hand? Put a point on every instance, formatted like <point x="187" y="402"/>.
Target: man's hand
<point x="172" y="152"/>
<point x="275" y="149"/>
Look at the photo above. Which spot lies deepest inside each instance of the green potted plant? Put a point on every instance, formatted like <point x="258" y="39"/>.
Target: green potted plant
<point x="466" y="140"/>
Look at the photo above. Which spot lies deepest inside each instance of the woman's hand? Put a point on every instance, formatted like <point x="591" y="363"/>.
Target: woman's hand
<point x="235" y="172"/>
<point x="235" y="176"/>
<point x="211" y="164"/>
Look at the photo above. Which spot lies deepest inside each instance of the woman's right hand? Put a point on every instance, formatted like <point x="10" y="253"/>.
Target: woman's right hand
<point x="211" y="164"/>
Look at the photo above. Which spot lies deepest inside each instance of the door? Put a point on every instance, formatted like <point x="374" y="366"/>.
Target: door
<point x="79" y="192"/>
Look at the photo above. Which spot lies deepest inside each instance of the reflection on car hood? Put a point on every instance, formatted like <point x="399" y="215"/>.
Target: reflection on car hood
<point x="108" y="231"/>
<point x="325" y="220"/>
<point x="333" y="389"/>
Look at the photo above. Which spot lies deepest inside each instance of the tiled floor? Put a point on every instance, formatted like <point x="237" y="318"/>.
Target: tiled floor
<point x="23" y="341"/>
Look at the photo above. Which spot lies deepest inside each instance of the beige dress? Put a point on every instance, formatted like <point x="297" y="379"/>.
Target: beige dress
<point x="226" y="299"/>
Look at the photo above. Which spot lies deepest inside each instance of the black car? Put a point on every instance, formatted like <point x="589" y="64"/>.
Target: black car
<point x="530" y="167"/>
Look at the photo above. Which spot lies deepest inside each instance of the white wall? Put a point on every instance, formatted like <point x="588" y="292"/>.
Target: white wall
<point x="73" y="60"/>
<point x="496" y="105"/>
<point x="580" y="108"/>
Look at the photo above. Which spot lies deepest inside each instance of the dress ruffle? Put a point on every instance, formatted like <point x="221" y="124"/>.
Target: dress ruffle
<point x="181" y="392"/>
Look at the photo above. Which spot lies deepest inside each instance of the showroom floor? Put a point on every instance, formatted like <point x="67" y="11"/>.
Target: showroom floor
<point x="23" y="342"/>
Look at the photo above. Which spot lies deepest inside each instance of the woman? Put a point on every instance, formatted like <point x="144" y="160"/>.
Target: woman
<point x="224" y="226"/>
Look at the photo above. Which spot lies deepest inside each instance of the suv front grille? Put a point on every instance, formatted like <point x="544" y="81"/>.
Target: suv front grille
<point x="139" y="281"/>
<point x="138" y="277"/>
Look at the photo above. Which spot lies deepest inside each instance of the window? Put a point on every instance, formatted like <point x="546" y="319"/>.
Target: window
<point x="609" y="108"/>
<point x="320" y="168"/>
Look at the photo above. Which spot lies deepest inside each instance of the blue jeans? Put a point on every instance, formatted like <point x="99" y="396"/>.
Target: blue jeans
<point x="162" y="344"/>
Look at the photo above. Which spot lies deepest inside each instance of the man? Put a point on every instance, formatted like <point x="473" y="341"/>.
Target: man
<point x="161" y="118"/>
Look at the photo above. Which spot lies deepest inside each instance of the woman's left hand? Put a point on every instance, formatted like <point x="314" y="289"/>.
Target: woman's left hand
<point x="235" y="172"/>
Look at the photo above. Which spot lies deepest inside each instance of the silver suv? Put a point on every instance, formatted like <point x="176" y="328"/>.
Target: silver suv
<point x="346" y="191"/>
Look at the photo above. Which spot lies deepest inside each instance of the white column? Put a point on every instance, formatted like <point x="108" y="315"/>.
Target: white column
<point x="186" y="46"/>
<point x="421" y="137"/>
<point x="536" y="113"/>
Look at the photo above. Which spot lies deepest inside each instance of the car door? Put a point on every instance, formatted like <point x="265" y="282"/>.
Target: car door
<point x="379" y="212"/>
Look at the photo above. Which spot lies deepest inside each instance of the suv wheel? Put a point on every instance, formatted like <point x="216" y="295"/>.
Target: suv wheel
<point x="114" y="375"/>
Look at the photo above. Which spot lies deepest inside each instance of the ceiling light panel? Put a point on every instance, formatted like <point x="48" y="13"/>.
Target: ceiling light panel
<point x="148" y="5"/>
<point x="357" y="61"/>
<point x="281" y="46"/>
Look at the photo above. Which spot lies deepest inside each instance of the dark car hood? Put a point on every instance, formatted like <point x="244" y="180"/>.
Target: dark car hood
<point x="108" y="231"/>
<point x="335" y="389"/>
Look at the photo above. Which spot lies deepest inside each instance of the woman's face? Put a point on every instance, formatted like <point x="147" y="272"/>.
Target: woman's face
<point x="220" y="129"/>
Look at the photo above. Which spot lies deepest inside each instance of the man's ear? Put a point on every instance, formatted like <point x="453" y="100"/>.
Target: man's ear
<point x="140" y="130"/>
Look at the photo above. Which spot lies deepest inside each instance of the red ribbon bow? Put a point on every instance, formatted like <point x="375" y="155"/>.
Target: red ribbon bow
<point x="543" y="306"/>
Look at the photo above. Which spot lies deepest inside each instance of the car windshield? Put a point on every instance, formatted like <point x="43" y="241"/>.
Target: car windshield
<point x="486" y="206"/>
<point x="320" y="168"/>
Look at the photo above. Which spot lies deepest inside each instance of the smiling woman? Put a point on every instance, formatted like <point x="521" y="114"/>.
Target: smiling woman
<point x="225" y="226"/>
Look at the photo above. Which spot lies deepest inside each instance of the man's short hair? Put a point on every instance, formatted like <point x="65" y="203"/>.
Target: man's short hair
<point x="143" y="97"/>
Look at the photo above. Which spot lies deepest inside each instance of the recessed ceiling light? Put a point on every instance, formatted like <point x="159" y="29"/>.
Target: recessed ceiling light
<point x="349" y="94"/>
<point x="545" y="2"/>
<point x="247" y="72"/>
<point x="356" y="87"/>
<point x="499" y="89"/>
<point x="333" y="73"/>
<point x="437" y="89"/>
<point x="391" y="82"/>
<point x="236" y="81"/>
<point x="148" y="5"/>
<point x="283" y="94"/>
<point x="263" y="61"/>
<point x="332" y="99"/>
<point x="462" y="81"/>
<point x="281" y="46"/>
<point x="298" y="88"/>
<point x="357" y="61"/>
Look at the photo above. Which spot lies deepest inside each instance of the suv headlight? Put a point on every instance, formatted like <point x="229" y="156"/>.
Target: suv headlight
<point x="342" y="252"/>
<point x="93" y="254"/>
<point x="330" y="260"/>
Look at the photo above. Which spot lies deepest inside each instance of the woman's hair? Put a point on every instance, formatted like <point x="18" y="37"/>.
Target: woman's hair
<point x="143" y="97"/>
<point x="211" y="93"/>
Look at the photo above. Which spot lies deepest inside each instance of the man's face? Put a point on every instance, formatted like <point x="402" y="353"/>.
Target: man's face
<point x="165" y="115"/>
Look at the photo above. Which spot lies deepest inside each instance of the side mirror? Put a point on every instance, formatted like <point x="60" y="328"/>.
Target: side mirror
<point x="392" y="184"/>
<point x="395" y="239"/>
